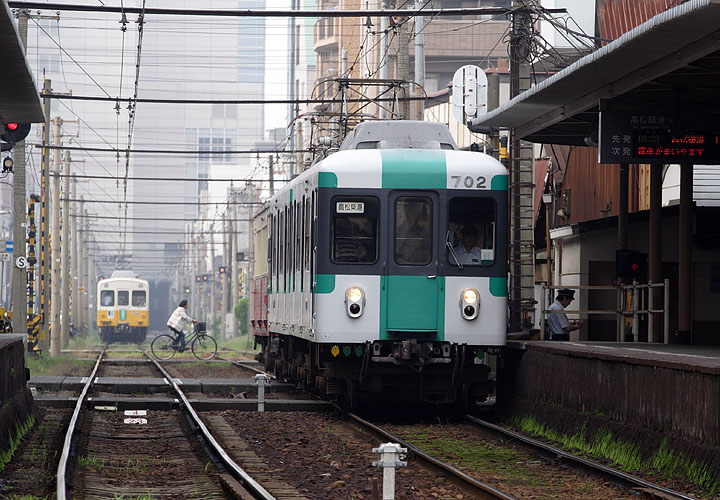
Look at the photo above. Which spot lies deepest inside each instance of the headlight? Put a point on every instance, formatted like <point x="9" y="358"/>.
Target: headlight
<point x="469" y="303"/>
<point x="354" y="294"/>
<point x="354" y="301"/>
<point x="470" y="296"/>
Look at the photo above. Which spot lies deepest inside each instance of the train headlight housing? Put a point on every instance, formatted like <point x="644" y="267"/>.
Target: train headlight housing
<point x="469" y="303"/>
<point x="354" y="301"/>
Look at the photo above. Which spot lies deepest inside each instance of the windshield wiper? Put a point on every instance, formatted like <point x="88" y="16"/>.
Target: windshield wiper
<point x="452" y="250"/>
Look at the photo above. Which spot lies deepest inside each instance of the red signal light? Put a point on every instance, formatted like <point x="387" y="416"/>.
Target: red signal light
<point x="635" y="266"/>
<point x="12" y="126"/>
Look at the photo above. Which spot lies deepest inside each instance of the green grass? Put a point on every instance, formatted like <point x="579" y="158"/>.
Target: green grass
<point x="43" y="364"/>
<point x="15" y="438"/>
<point x="627" y="456"/>
<point x="26" y="497"/>
<point x="240" y="343"/>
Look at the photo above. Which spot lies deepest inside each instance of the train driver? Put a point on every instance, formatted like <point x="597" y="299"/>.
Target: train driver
<point x="176" y="322"/>
<point x="468" y="253"/>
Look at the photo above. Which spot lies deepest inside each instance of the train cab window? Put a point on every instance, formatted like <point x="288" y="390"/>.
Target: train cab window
<point x="471" y="231"/>
<point x="138" y="298"/>
<point x="107" y="297"/>
<point x="413" y="231"/>
<point x="123" y="297"/>
<point x="354" y="230"/>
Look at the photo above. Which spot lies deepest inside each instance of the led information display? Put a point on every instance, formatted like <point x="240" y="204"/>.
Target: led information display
<point x="627" y="137"/>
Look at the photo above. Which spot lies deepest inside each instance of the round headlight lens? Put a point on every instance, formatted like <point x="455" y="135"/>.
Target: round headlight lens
<point x="354" y="294"/>
<point x="469" y="311"/>
<point x="470" y="296"/>
<point x="354" y="308"/>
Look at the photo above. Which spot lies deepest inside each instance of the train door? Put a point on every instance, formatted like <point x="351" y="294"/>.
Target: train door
<point x="413" y="301"/>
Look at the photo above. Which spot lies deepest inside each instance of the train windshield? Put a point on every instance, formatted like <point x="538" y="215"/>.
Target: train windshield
<point x="123" y="297"/>
<point x="471" y="231"/>
<point x="138" y="298"/>
<point x="107" y="298"/>
<point x="354" y="230"/>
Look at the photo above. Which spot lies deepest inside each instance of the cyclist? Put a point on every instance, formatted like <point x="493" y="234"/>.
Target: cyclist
<point x="177" y="321"/>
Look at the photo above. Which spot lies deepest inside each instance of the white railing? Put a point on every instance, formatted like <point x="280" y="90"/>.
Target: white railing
<point x="640" y="302"/>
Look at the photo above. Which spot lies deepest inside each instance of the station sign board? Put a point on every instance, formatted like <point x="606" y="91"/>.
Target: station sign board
<point x="640" y="137"/>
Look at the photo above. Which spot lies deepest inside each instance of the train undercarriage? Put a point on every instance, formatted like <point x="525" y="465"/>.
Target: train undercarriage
<point x="122" y="333"/>
<point x="383" y="373"/>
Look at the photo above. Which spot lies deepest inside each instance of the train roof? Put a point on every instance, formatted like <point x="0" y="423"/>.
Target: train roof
<point x="399" y="134"/>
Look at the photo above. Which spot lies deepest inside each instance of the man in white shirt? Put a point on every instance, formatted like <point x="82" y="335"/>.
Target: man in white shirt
<point x="560" y="326"/>
<point x="468" y="254"/>
<point x="177" y="321"/>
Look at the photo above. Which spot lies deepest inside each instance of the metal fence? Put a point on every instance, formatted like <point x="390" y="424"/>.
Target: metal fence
<point x="640" y="302"/>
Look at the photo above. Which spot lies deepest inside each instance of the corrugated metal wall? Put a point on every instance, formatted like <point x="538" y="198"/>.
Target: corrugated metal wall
<point x="616" y="17"/>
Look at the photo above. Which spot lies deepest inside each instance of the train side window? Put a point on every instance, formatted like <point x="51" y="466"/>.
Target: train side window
<point x="354" y="230"/>
<point x="308" y="225"/>
<point x="413" y="230"/>
<point x="298" y="236"/>
<point x="107" y="297"/>
<point x="123" y="298"/>
<point x="471" y="231"/>
<point x="138" y="298"/>
<point x="270" y="246"/>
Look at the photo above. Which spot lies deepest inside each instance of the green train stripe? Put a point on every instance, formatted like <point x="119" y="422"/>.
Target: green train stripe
<point x="327" y="180"/>
<point x="498" y="287"/>
<point x="413" y="169"/>
<point x="499" y="183"/>
<point x="324" y="283"/>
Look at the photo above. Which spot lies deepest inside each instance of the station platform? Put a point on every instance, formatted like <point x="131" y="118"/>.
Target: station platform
<point x="17" y="407"/>
<point x="655" y="394"/>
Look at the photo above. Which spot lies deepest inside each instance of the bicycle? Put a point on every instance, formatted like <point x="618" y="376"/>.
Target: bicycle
<point x="202" y="345"/>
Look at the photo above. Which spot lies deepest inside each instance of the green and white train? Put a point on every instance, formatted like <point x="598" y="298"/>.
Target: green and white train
<point x="382" y="269"/>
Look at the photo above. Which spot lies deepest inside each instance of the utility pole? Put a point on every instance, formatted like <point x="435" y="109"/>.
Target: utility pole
<point x="522" y="258"/>
<point x="419" y="62"/>
<point x="19" y="231"/>
<point x="271" y="172"/>
<point x="55" y="338"/>
<point x="229" y="266"/>
<point x="74" y="256"/>
<point x="384" y="55"/>
<point x="213" y="276"/>
<point x="65" y="242"/>
<point x="235" y="265"/>
<point x="44" y="261"/>
<point x="248" y="276"/>
<point x="82" y="256"/>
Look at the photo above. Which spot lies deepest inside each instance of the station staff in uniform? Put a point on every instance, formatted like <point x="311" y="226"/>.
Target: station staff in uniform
<point x="560" y="326"/>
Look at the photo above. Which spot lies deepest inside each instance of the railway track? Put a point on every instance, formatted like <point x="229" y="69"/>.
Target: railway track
<point x="145" y="453"/>
<point x="291" y="455"/>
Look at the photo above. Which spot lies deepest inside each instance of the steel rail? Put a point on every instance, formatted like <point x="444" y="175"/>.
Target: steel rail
<point x="619" y="475"/>
<point x="62" y="464"/>
<point x="247" y="367"/>
<point x="239" y="474"/>
<point x="489" y="491"/>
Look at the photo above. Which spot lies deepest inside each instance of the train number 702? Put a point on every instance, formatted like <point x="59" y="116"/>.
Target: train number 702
<point x="469" y="181"/>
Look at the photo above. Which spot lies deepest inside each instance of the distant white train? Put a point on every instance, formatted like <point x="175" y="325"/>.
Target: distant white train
<point x="123" y="308"/>
<point x="383" y="268"/>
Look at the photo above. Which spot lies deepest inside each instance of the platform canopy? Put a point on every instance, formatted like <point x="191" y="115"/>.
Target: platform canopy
<point x="19" y="98"/>
<point x="669" y="64"/>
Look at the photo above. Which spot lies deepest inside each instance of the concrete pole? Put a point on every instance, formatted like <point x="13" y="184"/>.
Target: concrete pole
<point x="235" y="267"/>
<point x="419" y="61"/>
<point x="74" y="257"/>
<point x="212" y="278"/>
<point x="44" y="254"/>
<point x="55" y="338"/>
<point x="655" y="252"/>
<point x="82" y="256"/>
<point x="383" y="58"/>
<point x="685" y="257"/>
<point x="229" y="271"/>
<point x="493" y="103"/>
<point x="249" y="274"/>
<point x="271" y="172"/>
<point x="65" y="243"/>
<point x="19" y="231"/>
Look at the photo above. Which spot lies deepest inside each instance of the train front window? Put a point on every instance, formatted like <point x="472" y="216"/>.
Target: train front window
<point x="471" y="231"/>
<point x="107" y="298"/>
<point x="354" y="230"/>
<point x="138" y="298"/>
<point x="413" y="231"/>
<point x="123" y="297"/>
